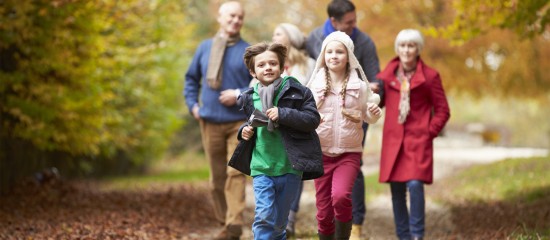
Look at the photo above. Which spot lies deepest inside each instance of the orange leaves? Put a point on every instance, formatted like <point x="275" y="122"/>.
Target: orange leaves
<point x="61" y="210"/>
<point x="474" y="18"/>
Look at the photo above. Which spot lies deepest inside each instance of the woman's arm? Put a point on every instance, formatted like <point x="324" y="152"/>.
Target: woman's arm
<point x="440" y="107"/>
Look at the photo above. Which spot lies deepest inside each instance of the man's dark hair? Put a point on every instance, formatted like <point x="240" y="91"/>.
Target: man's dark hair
<point x="338" y="8"/>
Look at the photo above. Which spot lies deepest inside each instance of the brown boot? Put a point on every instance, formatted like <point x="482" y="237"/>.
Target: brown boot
<point x="222" y="235"/>
<point x="231" y="232"/>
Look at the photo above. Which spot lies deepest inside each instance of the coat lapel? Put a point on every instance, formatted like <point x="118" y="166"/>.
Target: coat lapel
<point x="418" y="77"/>
<point x="389" y="74"/>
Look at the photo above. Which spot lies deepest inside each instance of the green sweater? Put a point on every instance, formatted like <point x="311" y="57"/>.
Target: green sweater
<point x="269" y="157"/>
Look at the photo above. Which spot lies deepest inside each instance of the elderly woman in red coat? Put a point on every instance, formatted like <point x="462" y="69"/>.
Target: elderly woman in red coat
<point x="416" y="111"/>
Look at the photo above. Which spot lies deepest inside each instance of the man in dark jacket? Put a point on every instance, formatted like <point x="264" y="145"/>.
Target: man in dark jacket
<point x="342" y="17"/>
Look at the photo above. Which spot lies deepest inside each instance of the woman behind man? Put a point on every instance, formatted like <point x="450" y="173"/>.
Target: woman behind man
<point x="344" y="100"/>
<point x="299" y="65"/>
<point x="416" y="112"/>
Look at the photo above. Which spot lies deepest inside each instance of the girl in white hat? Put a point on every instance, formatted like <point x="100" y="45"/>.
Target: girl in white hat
<point x="345" y="101"/>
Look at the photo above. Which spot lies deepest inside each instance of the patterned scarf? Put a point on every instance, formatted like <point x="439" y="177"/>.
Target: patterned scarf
<point x="404" y="100"/>
<point x="215" y="66"/>
<point x="267" y="93"/>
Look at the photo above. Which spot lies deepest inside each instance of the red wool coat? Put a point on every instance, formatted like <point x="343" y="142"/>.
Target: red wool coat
<point x="407" y="149"/>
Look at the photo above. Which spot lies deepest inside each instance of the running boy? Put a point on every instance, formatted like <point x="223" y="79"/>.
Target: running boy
<point x="287" y="150"/>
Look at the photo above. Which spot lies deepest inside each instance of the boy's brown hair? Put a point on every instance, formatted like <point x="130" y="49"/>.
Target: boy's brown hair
<point x="252" y="51"/>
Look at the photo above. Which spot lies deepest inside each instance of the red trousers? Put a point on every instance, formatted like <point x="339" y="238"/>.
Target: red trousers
<point x="333" y="190"/>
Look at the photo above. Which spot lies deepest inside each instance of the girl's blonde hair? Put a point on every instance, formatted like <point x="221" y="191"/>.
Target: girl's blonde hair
<point x="352" y="65"/>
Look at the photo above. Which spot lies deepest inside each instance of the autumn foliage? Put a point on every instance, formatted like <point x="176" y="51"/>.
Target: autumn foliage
<point x="88" y="83"/>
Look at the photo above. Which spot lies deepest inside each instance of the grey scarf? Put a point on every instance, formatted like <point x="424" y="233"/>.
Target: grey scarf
<point x="267" y="93"/>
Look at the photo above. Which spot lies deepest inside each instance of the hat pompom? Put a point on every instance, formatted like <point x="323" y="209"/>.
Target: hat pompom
<point x="374" y="98"/>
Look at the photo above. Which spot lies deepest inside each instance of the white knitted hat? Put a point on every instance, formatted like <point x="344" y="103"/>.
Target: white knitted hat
<point x="353" y="62"/>
<point x="295" y="36"/>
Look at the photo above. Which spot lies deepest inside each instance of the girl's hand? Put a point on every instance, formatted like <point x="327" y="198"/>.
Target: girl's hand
<point x="374" y="109"/>
<point x="273" y="114"/>
<point x="247" y="132"/>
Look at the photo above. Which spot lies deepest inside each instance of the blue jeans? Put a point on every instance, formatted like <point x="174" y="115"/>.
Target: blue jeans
<point x="273" y="198"/>
<point x="408" y="225"/>
<point x="295" y="206"/>
<point x="358" y="192"/>
<point x="358" y="199"/>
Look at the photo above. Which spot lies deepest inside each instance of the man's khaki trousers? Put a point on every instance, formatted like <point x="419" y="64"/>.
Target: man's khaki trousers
<point x="227" y="184"/>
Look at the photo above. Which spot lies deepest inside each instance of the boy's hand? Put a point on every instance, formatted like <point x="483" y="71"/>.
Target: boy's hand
<point x="247" y="132"/>
<point x="374" y="109"/>
<point x="273" y="114"/>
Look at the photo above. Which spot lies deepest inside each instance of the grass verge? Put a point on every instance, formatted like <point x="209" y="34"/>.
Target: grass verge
<point x="374" y="188"/>
<point x="186" y="168"/>
<point x="527" y="179"/>
<point x="506" y="200"/>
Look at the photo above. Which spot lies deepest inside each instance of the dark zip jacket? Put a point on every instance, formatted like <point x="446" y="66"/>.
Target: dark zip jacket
<point x="298" y="119"/>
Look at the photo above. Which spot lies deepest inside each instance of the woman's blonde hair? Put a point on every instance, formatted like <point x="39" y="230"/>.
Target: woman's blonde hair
<point x="297" y="55"/>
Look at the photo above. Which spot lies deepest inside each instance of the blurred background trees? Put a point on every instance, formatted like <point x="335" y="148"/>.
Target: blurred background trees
<point x="94" y="87"/>
<point x="91" y="87"/>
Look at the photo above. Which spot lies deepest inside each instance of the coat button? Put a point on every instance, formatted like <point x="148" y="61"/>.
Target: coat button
<point x="393" y="83"/>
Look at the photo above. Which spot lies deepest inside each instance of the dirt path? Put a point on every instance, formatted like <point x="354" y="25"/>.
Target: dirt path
<point x="73" y="210"/>
<point x="450" y="156"/>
